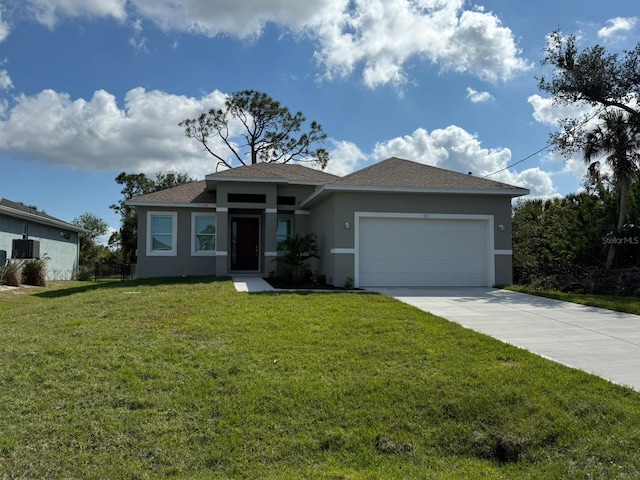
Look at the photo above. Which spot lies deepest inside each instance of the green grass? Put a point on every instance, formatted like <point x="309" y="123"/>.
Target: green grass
<point x="189" y="379"/>
<point x="611" y="302"/>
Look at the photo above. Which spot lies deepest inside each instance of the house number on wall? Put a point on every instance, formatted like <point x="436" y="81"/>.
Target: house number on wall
<point x="425" y="215"/>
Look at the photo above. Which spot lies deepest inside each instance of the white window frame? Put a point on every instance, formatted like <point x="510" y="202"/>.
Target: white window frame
<point x="174" y="234"/>
<point x="194" y="251"/>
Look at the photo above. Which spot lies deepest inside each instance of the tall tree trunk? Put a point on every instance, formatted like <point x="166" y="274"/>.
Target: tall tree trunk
<point x="622" y="216"/>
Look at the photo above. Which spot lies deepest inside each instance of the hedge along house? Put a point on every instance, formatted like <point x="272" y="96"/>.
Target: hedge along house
<point x="27" y="234"/>
<point x="395" y="223"/>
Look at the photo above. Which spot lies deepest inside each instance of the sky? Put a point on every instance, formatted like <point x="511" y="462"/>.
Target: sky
<point x="91" y="88"/>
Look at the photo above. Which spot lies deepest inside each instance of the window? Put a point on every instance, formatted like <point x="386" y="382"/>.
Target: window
<point x="282" y="200"/>
<point x="246" y="198"/>
<point x="284" y="230"/>
<point x="161" y="236"/>
<point x="203" y="234"/>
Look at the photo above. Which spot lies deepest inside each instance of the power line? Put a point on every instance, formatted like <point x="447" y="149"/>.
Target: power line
<point x="581" y="124"/>
<point x="519" y="161"/>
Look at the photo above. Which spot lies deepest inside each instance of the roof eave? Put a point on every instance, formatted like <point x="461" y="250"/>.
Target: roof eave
<point x="133" y="203"/>
<point x="42" y="220"/>
<point x="211" y="179"/>
<point x="328" y="188"/>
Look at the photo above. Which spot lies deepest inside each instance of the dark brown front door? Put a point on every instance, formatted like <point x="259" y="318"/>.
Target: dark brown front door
<point x="245" y="243"/>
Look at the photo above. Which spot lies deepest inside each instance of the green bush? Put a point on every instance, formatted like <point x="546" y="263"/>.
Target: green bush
<point x="85" y="273"/>
<point x="298" y="251"/>
<point x="34" y="272"/>
<point x="10" y="274"/>
<point x="348" y="284"/>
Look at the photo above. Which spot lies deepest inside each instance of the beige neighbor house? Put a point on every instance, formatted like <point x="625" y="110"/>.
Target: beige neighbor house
<point x="395" y="223"/>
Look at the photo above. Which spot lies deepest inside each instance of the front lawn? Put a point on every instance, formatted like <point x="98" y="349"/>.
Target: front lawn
<point x="189" y="379"/>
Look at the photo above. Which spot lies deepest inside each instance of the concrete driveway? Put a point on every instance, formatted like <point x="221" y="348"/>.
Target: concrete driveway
<point x="595" y="340"/>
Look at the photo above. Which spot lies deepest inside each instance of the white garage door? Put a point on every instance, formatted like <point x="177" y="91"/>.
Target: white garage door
<point x="422" y="252"/>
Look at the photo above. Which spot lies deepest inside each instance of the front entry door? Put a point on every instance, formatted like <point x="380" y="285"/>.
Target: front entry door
<point x="245" y="243"/>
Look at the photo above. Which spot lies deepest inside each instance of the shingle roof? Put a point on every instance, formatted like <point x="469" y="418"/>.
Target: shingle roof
<point x="393" y="173"/>
<point x="398" y="173"/>
<point x="194" y="192"/>
<point x="275" y="171"/>
<point x="27" y="212"/>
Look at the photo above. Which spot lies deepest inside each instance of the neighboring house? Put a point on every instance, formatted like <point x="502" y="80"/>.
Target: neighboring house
<point x="26" y="233"/>
<point x="395" y="223"/>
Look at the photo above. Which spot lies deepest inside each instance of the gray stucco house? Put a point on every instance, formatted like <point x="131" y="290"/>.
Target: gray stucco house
<point x="26" y="233"/>
<point x="395" y="223"/>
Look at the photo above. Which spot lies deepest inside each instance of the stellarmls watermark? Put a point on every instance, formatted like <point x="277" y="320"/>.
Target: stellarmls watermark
<point x="621" y="240"/>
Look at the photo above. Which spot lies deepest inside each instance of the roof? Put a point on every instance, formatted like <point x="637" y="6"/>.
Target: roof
<point x="194" y="193"/>
<point x="391" y="175"/>
<point x="399" y="173"/>
<point x="19" y="210"/>
<point x="274" y="172"/>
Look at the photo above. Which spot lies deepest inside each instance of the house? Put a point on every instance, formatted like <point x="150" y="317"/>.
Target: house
<point x="394" y="223"/>
<point x="26" y="233"/>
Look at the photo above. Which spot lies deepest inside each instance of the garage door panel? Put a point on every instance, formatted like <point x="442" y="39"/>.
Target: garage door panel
<point x="422" y="252"/>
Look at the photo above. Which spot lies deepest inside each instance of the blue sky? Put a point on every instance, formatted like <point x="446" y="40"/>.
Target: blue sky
<point x="90" y="88"/>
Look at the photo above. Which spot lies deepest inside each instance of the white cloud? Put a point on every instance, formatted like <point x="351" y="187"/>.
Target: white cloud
<point x="4" y="28"/>
<point x="548" y="113"/>
<point x="382" y="35"/>
<point x="137" y="25"/>
<point x="617" y="26"/>
<point x="104" y="239"/>
<point x="49" y="12"/>
<point x="138" y="41"/>
<point x="144" y="136"/>
<point x="456" y="149"/>
<point x="379" y="36"/>
<point x="139" y="44"/>
<point x="374" y="37"/>
<point x="538" y="181"/>
<point x="345" y="158"/>
<point x="475" y="96"/>
<point x="5" y="80"/>
<point x="241" y="18"/>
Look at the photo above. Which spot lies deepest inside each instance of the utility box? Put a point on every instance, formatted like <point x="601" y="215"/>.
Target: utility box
<point x="25" y="249"/>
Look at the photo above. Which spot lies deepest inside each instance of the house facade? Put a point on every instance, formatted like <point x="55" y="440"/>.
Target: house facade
<point x="395" y="223"/>
<point x="26" y="233"/>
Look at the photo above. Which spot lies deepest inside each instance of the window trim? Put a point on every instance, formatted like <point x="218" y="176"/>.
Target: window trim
<point x="202" y="253"/>
<point x="174" y="234"/>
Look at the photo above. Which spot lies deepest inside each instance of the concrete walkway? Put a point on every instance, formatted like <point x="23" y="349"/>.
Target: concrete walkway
<point x="595" y="340"/>
<point x="251" y="284"/>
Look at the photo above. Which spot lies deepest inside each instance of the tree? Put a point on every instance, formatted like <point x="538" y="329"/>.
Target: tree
<point x="619" y="141"/>
<point x="90" y="250"/>
<point x="136" y="184"/>
<point x="604" y="80"/>
<point x="592" y="76"/>
<point x="269" y="132"/>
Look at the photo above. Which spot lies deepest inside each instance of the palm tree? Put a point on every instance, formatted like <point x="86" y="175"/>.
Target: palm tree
<point x="617" y="141"/>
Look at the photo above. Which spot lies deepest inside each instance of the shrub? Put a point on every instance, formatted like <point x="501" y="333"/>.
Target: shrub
<point x="348" y="284"/>
<point x="11" y="274"/>
<point x="297" y="251"/>
<point x="34" y="272"/>
<point x="318" y="280"/>
<point x="85" y="273"/>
